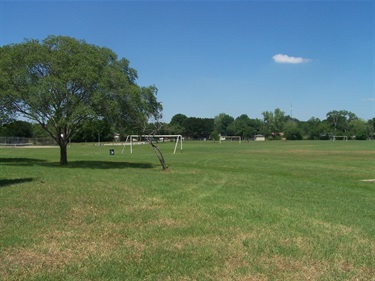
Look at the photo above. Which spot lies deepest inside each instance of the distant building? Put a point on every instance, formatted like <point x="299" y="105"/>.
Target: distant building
<point x="259" y="138"/>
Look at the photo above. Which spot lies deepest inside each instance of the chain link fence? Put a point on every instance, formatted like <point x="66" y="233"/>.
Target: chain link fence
<point x="21" y="141"/>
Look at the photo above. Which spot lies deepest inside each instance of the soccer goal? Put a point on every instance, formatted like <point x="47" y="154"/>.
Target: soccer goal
<point x="231" y="138"/>
<point x="345" y="138"/>
<point x="138" y="139"/>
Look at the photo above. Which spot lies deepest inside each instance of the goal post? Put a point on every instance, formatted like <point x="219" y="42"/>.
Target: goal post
<point x="230" y="137"/>
<point x="345" y="138"/>
<point x="178" y="139"/>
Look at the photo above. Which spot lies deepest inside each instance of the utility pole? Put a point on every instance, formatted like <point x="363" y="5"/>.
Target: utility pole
<point x="291" y="110"/>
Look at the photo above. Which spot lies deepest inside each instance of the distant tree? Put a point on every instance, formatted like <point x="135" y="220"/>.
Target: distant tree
<point x="256" y="126"/>
<point x="359" y="129"/>
<point x="165" y="129"/>
<point x="339" y="120"/>
<point x="61" y="83"/>
<point x="231" y="129"/>
<point x="94" y="130"/>
<point x="292" y="131"/>
<point x="17" y="128"/>
<point x="279" y="119"/>
<point x="310" y="128"/>
<point x="198" y="127"/>
<point x="193" y="126"/>
<point x="208" y="125"/>
<point x="274" y="121"/>
<point x="324" y="130"/>
<point x="176" y="124"/>
<point x="38" y="131"/>
<point x="268" y="119"/>
<point x="178" y="119"/>
<point x="371" y="127"/>
<point x="214" y="135"/>
<point x="221" y="123"/>
<point x="241" y="125"/>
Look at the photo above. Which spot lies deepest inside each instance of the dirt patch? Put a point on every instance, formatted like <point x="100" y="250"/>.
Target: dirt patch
<point x="37" y="146"/>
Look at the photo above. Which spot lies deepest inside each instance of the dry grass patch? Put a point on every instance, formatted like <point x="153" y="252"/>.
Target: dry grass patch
<point x="168" y="222"/>
<point x="229" y="250"/>
<point x="58" y="249"/>
<point x="17" y="213"/>
<point x="335" y="229"/>
<point x="286" y="268"/>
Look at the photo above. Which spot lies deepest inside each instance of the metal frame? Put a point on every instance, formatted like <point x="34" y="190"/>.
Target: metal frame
<point x="178" y="138"/>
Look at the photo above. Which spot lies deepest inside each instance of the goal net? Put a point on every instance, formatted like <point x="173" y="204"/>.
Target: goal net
<point x="138" y="139"/>
<point x="230" y="138"/>
<point x="345" y="138"/>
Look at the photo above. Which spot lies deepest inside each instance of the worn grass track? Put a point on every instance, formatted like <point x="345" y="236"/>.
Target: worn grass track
<point x="250" y="211"/>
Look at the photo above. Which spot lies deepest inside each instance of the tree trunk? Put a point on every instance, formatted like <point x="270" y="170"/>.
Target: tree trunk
<point x="158" y="154"/>
<point x="63" y="154"/>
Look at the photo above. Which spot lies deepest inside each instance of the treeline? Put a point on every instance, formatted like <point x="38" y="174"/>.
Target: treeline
<point x="90" y="131"/>
<point x="274" y="125"/>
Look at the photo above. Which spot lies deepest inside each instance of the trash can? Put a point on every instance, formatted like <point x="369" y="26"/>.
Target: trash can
<point x="111" y="152"/>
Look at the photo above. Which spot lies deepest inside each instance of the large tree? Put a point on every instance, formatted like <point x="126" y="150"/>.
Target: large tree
<point x="222" y="122"/>
<point x="340" y="120"/>
<point x="274" y="121"/>
<point x="198" y="127"/>
<point x="246" y="127"/>
<point x="62" y="82"/>
<point x="176" y="124"/>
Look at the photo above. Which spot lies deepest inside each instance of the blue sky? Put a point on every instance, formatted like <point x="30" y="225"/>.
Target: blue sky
<point x="233" y="57"/>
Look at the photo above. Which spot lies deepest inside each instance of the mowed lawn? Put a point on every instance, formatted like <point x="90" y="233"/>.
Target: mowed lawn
<point x="250" y="211"/>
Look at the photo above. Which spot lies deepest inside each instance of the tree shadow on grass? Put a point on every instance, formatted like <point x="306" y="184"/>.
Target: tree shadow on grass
<point x="6" y="182"/>
<point x="108" y="165"/>
<point x="75" y="164"/>
<point x="21" y="161"/>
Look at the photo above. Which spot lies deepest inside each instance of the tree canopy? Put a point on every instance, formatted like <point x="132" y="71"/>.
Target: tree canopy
<point x="61" y="83"/>
<point x="276" y="125"/>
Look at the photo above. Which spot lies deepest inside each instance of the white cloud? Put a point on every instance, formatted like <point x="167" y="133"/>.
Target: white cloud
<point x="280" y="58"/>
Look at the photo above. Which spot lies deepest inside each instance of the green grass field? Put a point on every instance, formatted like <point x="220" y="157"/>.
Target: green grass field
<point x="251" y="211"/>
